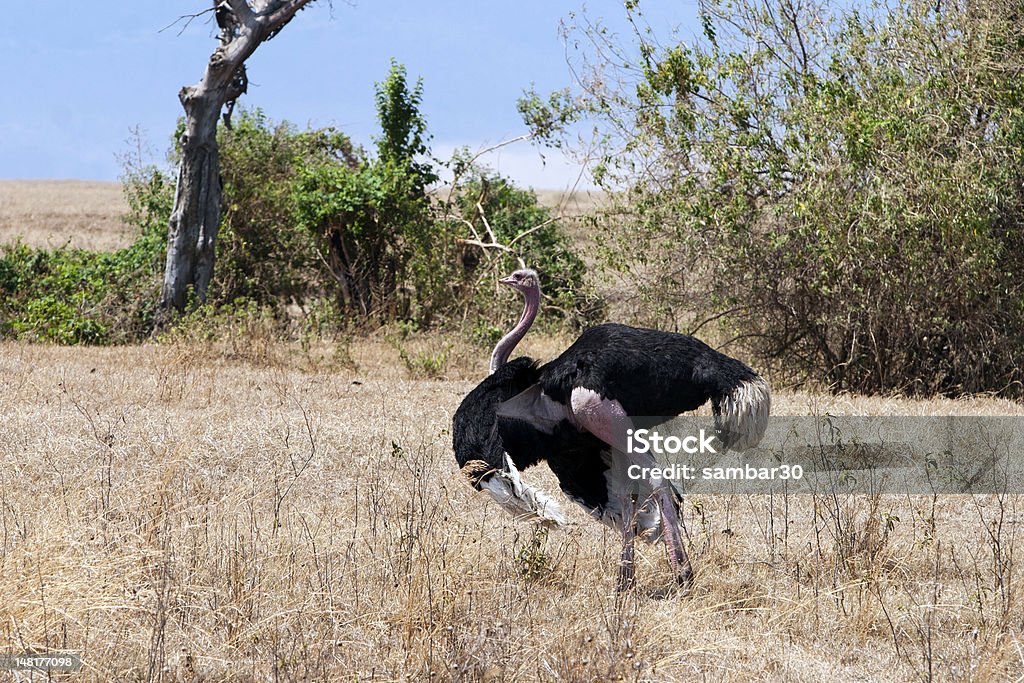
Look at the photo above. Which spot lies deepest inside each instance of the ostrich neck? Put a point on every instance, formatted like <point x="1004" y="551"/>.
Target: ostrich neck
<point x="504" y="347"/>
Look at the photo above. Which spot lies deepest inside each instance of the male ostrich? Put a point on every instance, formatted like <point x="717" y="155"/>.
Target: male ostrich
<point x="574" y="411"/>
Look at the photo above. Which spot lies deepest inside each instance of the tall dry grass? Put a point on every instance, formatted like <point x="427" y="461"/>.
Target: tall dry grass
<point x="176" y="513"/>
<point x="248" y="511"/>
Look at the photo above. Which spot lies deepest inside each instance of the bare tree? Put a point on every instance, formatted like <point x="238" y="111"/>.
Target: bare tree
<point x="244" y="25"/>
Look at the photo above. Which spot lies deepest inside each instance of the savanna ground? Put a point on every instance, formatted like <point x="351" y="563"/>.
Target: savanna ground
<point x="250" y="510"/>
<point x="56" y="213"/>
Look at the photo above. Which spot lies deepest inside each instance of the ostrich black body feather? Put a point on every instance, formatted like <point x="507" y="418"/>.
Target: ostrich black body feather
<point x="474" y="427"/>
<point x="649" y="372"/>
<point x="569" y="412"/>
<point x="478" y="434"/>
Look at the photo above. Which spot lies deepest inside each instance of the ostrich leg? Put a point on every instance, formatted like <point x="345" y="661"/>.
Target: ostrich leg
<point x="677" y="557"/>
<point x="607" y="420"/>
<point x="626" y="563"/>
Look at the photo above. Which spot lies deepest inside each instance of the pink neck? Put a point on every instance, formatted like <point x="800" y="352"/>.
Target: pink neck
<point x="504" y="348"/>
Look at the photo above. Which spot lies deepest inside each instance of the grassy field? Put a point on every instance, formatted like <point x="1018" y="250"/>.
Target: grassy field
<point x="53" y="213"/>
<point x="250" y="510"/>
<point x="173" y="513"/>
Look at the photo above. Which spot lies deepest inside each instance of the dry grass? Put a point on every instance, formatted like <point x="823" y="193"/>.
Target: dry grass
<point x="576" y="203"/>
<point x="254" y="511"/>
<point x="173" y="513"/>
<point x="53" y="213"/>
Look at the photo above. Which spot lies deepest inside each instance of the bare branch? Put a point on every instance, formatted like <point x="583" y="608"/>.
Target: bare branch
<point x="277" y="13"/>
<point x="499" y="247"/>
<point x="188" y="19"/>
<point x="482" y="152"/>
<point x="695" y="329"/>
<point x="494" y="244"/>
<point x="487" y="225"/>
<point x="468" y="224"/>
<point x="503" y="143"/>
<point x="330" y="269"/>
<point x="790" y="13"/>
<point x="534" y="229"/>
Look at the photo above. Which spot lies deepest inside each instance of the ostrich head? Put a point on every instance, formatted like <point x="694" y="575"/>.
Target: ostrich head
<point x="523" y="280"/>
<point x="527" y="283"/>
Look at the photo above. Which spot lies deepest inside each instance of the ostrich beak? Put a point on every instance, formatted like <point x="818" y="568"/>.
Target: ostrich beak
<point x="507" y="280"/>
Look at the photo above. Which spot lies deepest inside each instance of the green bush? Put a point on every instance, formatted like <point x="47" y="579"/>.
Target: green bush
<point x="75" y="296"/>
<point x="263" y="253"/>
<point x="370" y="226"/>
<point x="842" y="192"/>
<point x="392" y="254"/>
<point x="490" y="208"/>
<point x="375" y="224"/>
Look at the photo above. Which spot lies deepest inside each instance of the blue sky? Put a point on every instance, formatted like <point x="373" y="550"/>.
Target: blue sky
<point x="81" y="80"/>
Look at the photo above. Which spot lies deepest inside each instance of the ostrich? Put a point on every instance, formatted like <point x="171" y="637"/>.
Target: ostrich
<point x="574" y="412"/>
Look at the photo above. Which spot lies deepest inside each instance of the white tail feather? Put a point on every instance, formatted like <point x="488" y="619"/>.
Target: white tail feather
<point x="743" y="414"/>
<point x="520" y="499"/>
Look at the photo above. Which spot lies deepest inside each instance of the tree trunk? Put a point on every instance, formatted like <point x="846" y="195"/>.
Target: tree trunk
<point x="195" y="219"/>
<point x="196" y="216"/>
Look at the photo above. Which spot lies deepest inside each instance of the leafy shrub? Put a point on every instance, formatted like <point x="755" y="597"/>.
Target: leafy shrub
<point x="425" y="364"/>
<point x="75" y="296"/>
<point x="395" y="258"/>
<point x="374" y="222"/>
<point x="263" y="254"/>
<point x="533" y="560"/>
<point x="492" y="210"/>
<point x="371" y="225"/>
<point x="842" y="192"/>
